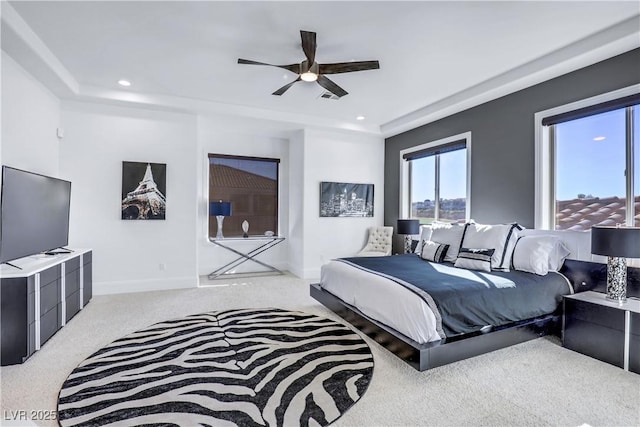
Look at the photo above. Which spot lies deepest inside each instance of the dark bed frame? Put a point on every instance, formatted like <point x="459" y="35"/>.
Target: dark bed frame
<point x="582" y="275"/>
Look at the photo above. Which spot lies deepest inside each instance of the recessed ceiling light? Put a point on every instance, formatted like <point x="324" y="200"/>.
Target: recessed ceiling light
<point x="360" y="118"/>
<point x="599" y="138"/>
<point x="123" y="82"/>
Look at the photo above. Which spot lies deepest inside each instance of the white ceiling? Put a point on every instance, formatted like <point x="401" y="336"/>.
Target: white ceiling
<point x="435" y="57"/>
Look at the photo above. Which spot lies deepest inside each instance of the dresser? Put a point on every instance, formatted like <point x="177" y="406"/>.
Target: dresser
<point x="39" y="299"/>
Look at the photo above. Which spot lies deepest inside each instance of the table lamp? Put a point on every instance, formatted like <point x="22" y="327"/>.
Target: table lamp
<point x="618" y="243"/>
<point x="408" y="227"/>
<point x="220" y="210"/>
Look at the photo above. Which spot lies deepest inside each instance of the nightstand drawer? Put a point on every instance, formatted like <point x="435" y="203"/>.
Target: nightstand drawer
<point x="634" y="344"/>
<point x="608" y="317"/>
<point x="594" y="340"/>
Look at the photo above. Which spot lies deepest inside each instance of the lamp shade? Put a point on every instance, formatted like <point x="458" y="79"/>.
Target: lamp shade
<point x="408" y="226"/>
<point x="220" y="208"/>
<point x="616" y="241"/>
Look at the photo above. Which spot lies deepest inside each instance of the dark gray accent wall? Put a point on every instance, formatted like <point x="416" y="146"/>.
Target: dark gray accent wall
<point x="502" y="134"/>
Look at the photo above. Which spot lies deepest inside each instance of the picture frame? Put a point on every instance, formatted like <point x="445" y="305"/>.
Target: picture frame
<point x="340" y="199"/>
<point x="144" y="189"/>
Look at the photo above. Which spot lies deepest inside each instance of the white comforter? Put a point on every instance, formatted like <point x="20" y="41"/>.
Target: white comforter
<point x="381" y="299"/>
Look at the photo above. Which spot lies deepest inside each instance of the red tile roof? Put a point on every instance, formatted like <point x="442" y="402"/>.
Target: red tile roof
<point x="582" y="214"/>
<point x="228" y="177"/>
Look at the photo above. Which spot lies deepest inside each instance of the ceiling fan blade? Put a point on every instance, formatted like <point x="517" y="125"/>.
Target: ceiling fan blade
<point x="347" y="67"/>
<point x="284" y="88"/>
<point x="294" y="68"/>
<point x="309" y="45"/>
<point x="331" y="86"/>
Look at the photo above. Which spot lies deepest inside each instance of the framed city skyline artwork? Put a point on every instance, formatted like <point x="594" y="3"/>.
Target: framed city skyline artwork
<point x="339" y="199"/>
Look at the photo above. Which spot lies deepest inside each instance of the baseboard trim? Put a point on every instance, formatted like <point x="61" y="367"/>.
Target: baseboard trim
<point x="246" y="268"/>
<point x="146" y="285"/>
<point x="309" y="273"/>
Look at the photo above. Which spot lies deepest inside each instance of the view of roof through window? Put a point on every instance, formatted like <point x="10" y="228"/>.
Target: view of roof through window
<point x="590" y="171"/>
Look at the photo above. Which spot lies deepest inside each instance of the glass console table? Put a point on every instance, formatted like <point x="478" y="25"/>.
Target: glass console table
<point x="264" y="243"/>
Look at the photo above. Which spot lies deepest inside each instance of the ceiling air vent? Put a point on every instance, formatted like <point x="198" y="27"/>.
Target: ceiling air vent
<point x="328" y="95"/>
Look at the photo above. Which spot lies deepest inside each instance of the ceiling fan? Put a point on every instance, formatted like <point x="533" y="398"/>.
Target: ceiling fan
<point x="310" y="71"/>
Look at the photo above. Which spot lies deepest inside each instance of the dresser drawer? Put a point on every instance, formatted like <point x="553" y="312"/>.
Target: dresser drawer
<point x="72" y="264"/>
<point x="72" y="282"/>
<point x="72" y="306"/>
<point x="49" y="275"/>
<point x="49" y="296"/>
<point x="49" y="324"/>
<point x="87" y="257"/>
<point x="87" y="285"/>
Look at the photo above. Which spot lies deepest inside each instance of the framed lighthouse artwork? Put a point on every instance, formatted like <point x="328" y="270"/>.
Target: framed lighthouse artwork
<point x="144" y="189"/>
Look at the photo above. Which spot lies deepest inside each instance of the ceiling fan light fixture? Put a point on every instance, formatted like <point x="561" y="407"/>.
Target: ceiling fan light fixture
<point x="310" y="71"/>
<point x="309" y="76"/>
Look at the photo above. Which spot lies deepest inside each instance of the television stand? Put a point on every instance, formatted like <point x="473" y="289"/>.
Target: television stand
<point x="39" y="299"/>
<point x="12" y="265"/>
<point x="58" y="251"/>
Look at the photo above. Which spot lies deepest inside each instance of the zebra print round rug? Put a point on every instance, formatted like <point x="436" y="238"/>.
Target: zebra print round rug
<point x="253" y="367"/>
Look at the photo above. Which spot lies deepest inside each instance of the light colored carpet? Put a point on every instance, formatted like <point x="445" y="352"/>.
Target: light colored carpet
<point x="537" y="383"/>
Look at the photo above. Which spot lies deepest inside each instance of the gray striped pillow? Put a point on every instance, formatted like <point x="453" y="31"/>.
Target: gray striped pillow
<point x="432" y="251"/>
<point x="475" y="259"/>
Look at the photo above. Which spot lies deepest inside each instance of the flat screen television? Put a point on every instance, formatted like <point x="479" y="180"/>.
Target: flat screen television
<point x="34" y="213"/>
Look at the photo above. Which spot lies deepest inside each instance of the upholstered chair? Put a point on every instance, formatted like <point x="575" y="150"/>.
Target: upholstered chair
<point x="379" y="243"/>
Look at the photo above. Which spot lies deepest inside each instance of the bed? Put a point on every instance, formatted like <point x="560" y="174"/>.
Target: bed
<point x="430" y="314"/>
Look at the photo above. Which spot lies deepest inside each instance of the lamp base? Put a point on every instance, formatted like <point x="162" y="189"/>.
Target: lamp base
<point x="220" y="219"/>
<point x="617" y="279"/>
<point x="407" y="243"/>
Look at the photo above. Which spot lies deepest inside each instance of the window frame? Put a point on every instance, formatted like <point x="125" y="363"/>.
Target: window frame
<point x="404" y="208"/>
<point x="544" y="190"/>
<point x="275" y="160"/>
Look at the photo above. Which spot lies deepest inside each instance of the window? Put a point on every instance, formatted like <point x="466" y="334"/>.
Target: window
<point x="251" y="185"/>
<point x="435" y="180"/>
<point x="594" y="165"/>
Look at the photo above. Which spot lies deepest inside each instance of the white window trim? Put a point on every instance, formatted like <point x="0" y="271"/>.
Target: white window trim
<point x="404" y="210"/>
<point x="543" y="172"/>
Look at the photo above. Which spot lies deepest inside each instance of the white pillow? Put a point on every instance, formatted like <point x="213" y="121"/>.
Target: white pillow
<point x="432" y="251"/>
<point x="559" y="253"/>
<point x="539" y="254"/>
<point x="475" y="259"/>
<point x="448" y="234"/>
<point x="425" y="234"/>
<point x="501" y="237"/>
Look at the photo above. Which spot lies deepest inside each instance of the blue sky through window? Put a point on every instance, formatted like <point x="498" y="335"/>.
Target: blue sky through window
<point x="590" y="156"/>
<point x="453" y="177"/>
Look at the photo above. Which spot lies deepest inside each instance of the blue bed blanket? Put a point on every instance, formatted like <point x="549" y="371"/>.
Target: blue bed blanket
<point x="464" y="300"/>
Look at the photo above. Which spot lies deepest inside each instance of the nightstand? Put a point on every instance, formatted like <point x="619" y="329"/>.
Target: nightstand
<point x="603" y="329"/>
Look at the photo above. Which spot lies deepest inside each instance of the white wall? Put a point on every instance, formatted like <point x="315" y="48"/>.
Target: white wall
<point x="131" y="255"/>
<point x="220" y="135"/>
<point x="334" y="157"/>
<point x="296" y="203"/>
<point x="30" y="117"/>
<point x="144" y="255"/>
